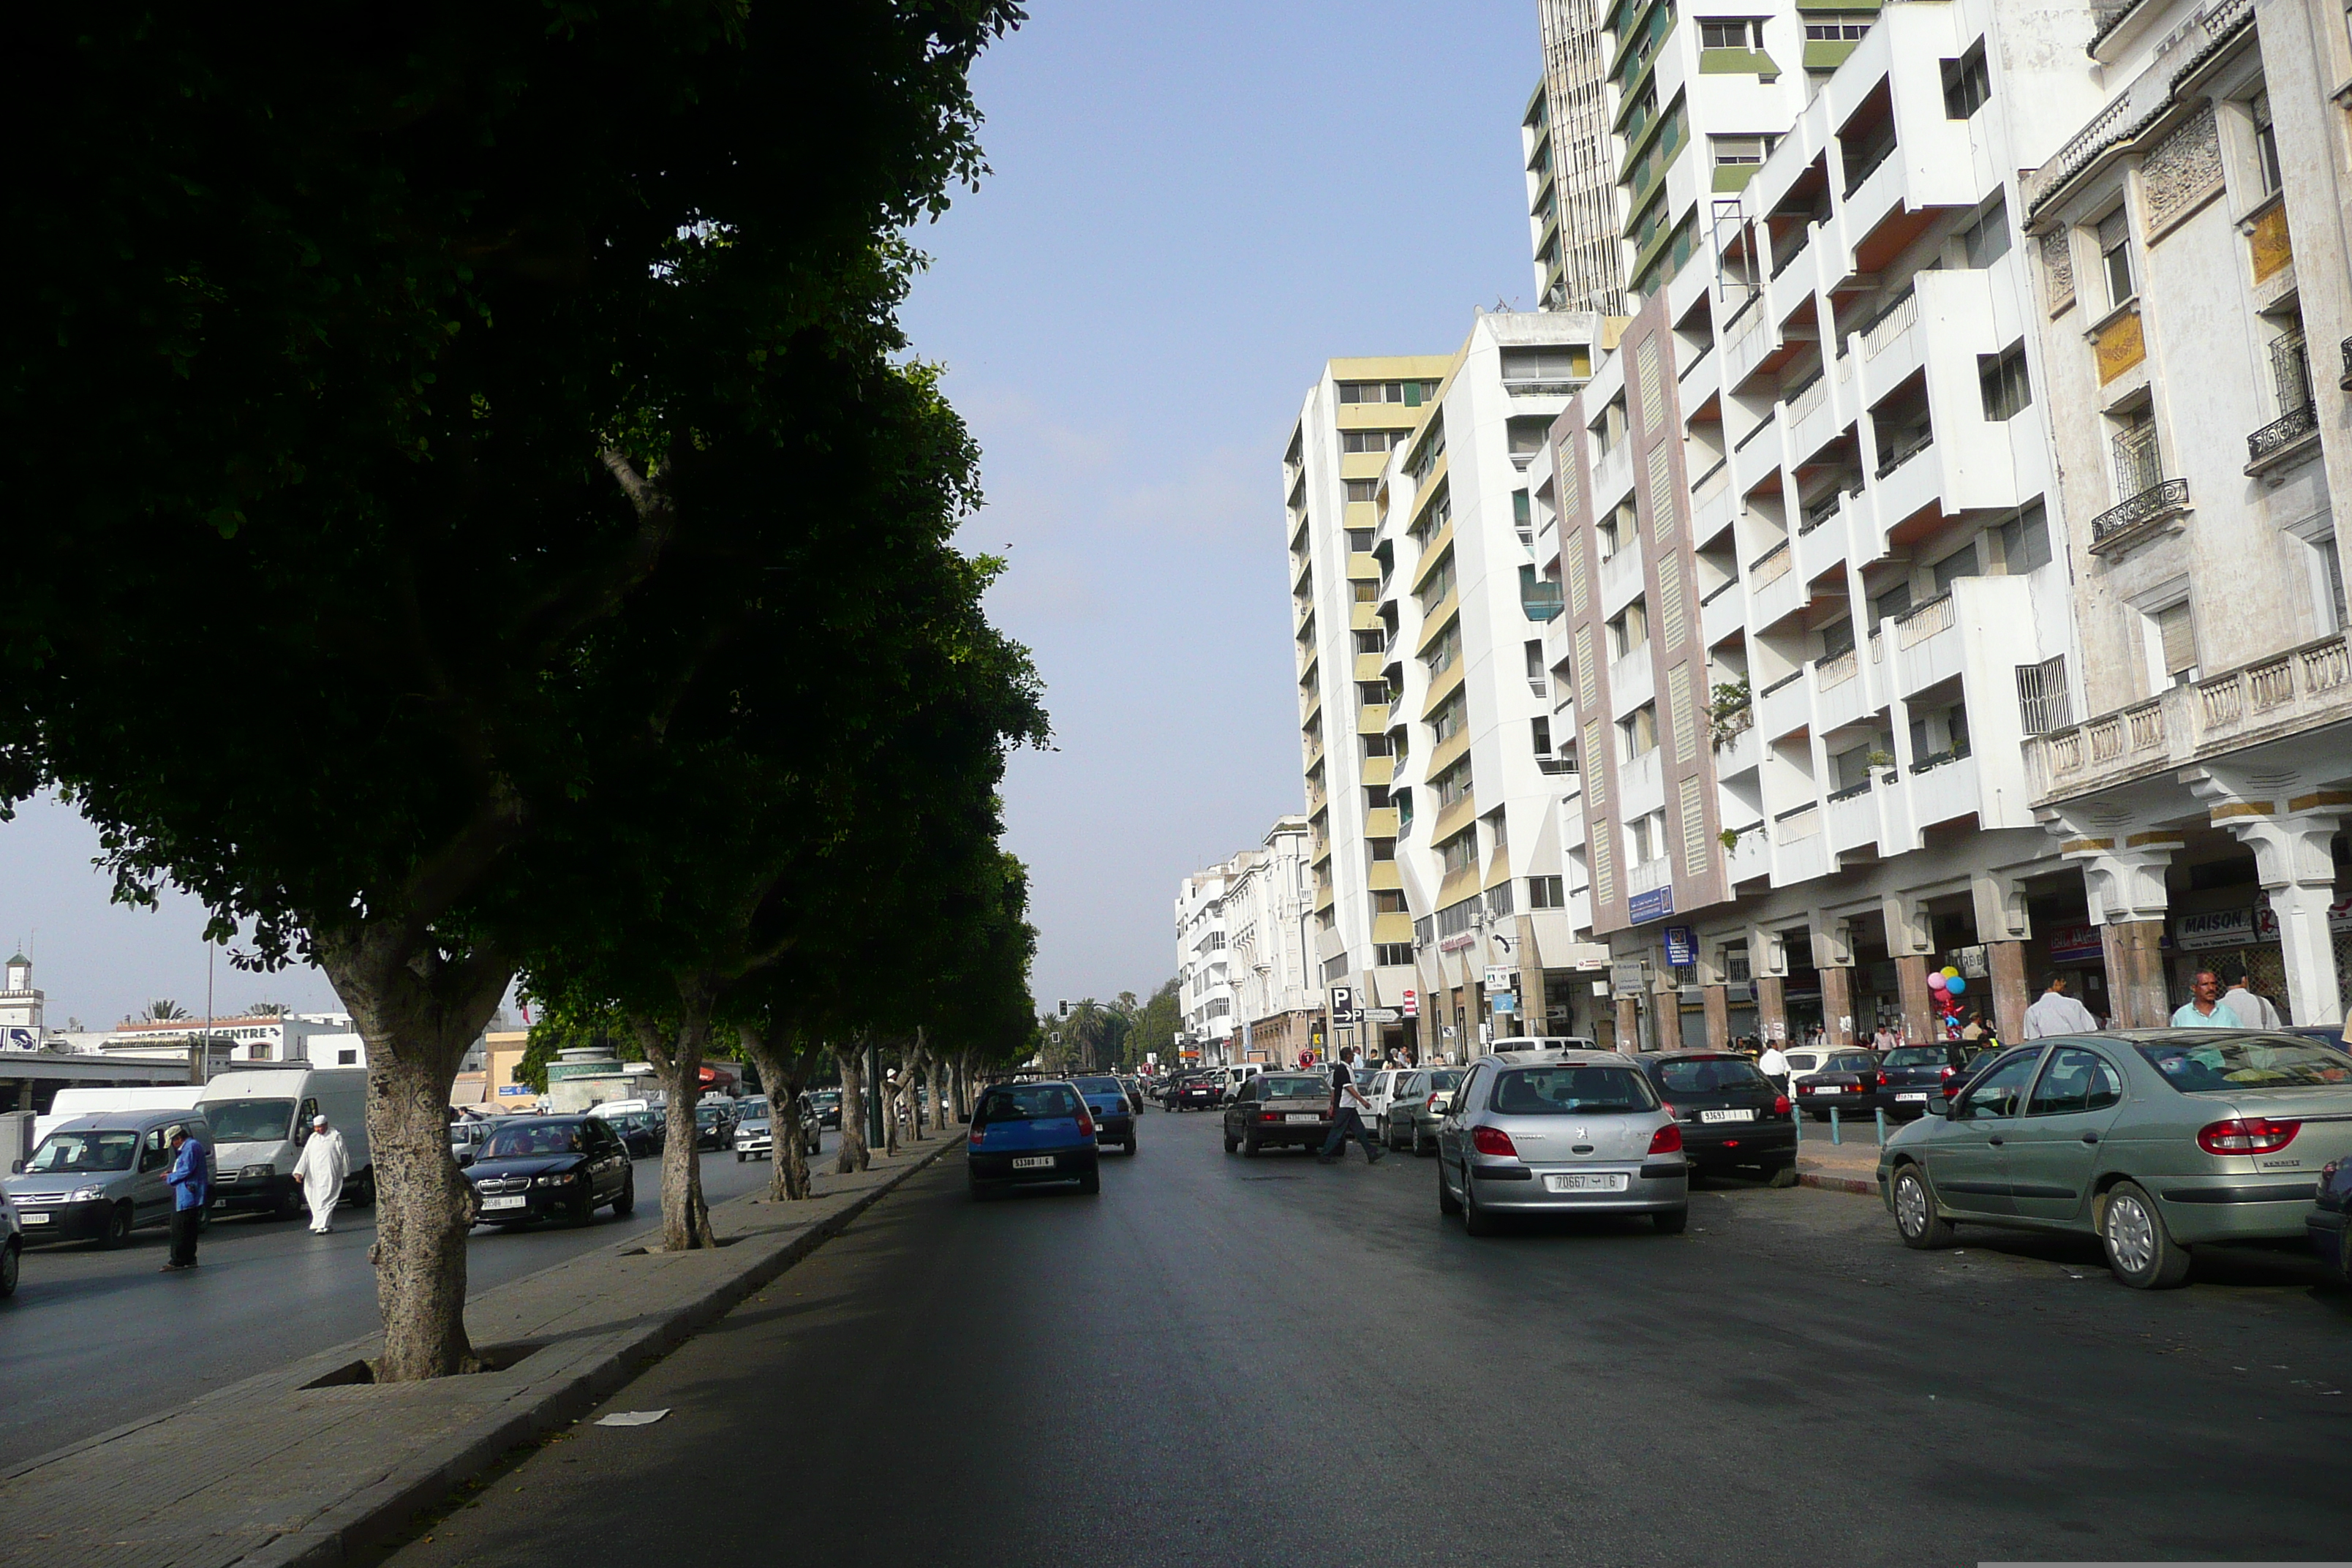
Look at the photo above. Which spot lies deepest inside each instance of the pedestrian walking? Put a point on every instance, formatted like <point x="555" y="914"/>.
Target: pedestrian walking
<point x="1347" y="1105"/>
<point x="190" y="1180"/>
<point x="2253" y="1009"/>
<point x="2055" y="1013"/>
<point x="319" y="1174"/>
<point x="2204" y="1009"/>
<point x="1774" y="1064"/>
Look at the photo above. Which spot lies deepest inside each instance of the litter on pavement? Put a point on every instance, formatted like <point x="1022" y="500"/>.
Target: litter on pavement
<point x="630" y="1417"/>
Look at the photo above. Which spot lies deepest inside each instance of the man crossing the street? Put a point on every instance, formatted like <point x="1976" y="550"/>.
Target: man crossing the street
<point x="320" y="1173"/>
<point x="2055" y="1013"/>
<point x="190" y="1180"/>
<point x="1348" y="1105"/>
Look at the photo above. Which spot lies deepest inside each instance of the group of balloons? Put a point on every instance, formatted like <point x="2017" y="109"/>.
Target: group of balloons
<point x="1945" y="989"/>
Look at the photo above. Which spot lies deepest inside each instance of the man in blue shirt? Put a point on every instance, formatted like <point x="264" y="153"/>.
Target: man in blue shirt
<point x="2205" y="1009"/>
<point x="191" y="1189"/>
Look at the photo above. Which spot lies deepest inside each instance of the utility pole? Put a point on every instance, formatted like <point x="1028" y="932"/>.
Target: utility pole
<point x="873" y="1093"/>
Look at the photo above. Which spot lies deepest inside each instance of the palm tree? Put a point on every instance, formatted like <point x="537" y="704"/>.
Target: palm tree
<point x="165" y="1011"/>
<point x="268" y="1010"/>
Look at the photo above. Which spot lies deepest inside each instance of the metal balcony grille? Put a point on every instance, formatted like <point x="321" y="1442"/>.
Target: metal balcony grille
<point x="2139" y="465"/>
<point x="2041" y="701"/>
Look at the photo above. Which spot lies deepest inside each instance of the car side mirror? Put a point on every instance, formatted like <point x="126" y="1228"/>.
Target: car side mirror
<point x="1938" y="1106"/>
<point x="15" y="1167"/>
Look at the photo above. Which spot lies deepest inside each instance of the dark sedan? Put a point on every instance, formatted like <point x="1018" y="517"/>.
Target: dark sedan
<point x="1278" y="1109"/>
<point x="714" y="1124"/>
<point x="1907" y="1075"/>
<point x="828" y="1107"/>
<point x="1733" y="1118"/>
<point x="1847" y="1082"/>
<point x="1194" y="1091"/>
<point x="551" y="1167"/>
<point x="643" y="1132"/>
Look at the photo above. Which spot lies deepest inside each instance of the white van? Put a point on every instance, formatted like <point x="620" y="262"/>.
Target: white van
<point x="72" y="1102"/>
<point x="260" y="1118"/>
<point x="1543" y="1042"/>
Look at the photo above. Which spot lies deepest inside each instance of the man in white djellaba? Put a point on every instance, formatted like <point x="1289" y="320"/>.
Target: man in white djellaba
<point x="320" y="1170"/>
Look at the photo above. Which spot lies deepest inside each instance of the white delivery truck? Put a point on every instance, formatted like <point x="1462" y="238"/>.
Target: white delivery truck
<point x="260" y="1116"/>
<point x="72" y="1102"/>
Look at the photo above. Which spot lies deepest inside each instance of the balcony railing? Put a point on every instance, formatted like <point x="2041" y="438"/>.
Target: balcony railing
<point x="1820" y="512"/>
<point x="1892" y="321"/>
<point x="2119" y="525"/>
<point x="1650" y="875"/>
<point x="1835" y="670"/>
<point x="1799" y="822"/>
<point x="1777" y="685"/>
<point x="1556" y="765"/>
<point x="1541" y="603"/>
<point x="1870" y="159"/>
<point x="1804" y="238"/>
<point x="1771" y="566"/>
<point x="1918" y="624"/>
<point x="1937" y="759"/>
<point x="1907" y="447"/>
<point x="1850" y="791"/>
<point x="2280" y="434"/>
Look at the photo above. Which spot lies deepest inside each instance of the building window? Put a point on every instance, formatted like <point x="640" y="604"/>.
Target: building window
<point x="1731" y="33"/>
<point x="1895" y="602"/>
<point x="1363" y="490"/>
<point x="2116" y="257"/>
<point x="1637" y="733"/>
<point x="2007" y="390"/>
<point x="1967" y="84"/>
<point x="1412" y="394"/>
<point x="1359" y="541"/>
<point x="1835" y="32"/>
<point x="2266" y="158"/>
<point x="2043" y="704"/>
<point x="1986" y="239"/>
<point x="1371" y="693"/>
<point x="2328" y="569"/>
<point x="1393" y="954"/>
<point x="2139" y="461"/>
<point x="1629" y="630"/>
<point x="1459" y="851"/>
<point x="1388" y="901"/>
<point x="1376" y="745"/>
<point x="1547" y="893"/>
<point x="1736" y="152"/>
<point x="1442" y="657"/>
<point x="1447" y="722"/>
<point x="1370" y="440"/>
<point x="1961" y="562"/>
<point x="2172" y="638"/>
<point x="1365" y="593"/>
<point x="1540" y="736"/>
<point x="345" y="1058"/>
<point x="2026" y="542"/>
<point x="1523" y="520"/>
<point x="1372" y="642"/>
<point x="1646" y="837"/>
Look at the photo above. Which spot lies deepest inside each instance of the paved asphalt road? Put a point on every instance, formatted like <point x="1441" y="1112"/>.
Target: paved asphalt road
<point x="93" y="1338"/>
<point x="1225" y="1361"/>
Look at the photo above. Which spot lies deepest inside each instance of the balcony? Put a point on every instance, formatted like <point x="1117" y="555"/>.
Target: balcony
<point x="1649" y="875"/>
<point x="2141" y="518"/>
<point x="2282" y="441"/>
<point x="1722" y="612"/>
<point x="1946" y="787"/>
<point x="1750" y="856"/>
<point x="2298" y="689"/>
<point x="1734" y="739"/>
<point x="1541" y="599"/>
<point x="1834" y="672"/>
<point x="1853" y="819"/>
<point x="1784" y="707"/>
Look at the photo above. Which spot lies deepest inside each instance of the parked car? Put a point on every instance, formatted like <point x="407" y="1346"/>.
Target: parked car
<point x="12" y="1245"/>
<point x="551" y="1167"/>
<point x="644" y="1133"/>
<point x="465" y="1135"/>
<point x="1031" y="1133"/>
<point x="1847" y="1079"/>
<point x="102" y="1177"/>
<point x="828" y="1107"/>
<point x="1114" y="1114"/>
<point x="1560" y="1132"/>
<point x="1194" y="1091"/>
<point x="2155" y="1141"/>
<point x="1543" y="1042"/>
<point x="1417" y="1101"/>
<point x="1134" y="1087"/>
<point x="1907" y="1075"/>
<point x="1733" y="1117"/>
<point x="1377" y="1085"/>
<point x="1279" y="1110"/>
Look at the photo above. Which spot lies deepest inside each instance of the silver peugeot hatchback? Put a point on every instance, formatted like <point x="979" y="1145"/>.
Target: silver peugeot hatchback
<point x="1560" y="1132"/>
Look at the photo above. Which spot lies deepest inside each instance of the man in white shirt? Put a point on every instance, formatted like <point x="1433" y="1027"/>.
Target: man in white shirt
<point x="2253" y="1009"/>
<point x="1774" y="1065"/>
<point x="2055" y="1013"/>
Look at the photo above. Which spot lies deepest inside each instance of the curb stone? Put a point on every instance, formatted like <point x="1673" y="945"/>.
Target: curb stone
<point x="1837" y="1183"/>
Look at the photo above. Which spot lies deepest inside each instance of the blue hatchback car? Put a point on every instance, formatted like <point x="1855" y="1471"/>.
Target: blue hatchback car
<point x="1114" y="1112"/>
<point x="1032" y="1133"/>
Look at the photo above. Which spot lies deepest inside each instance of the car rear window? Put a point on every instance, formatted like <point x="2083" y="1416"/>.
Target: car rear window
<point x="1026" y="1102"/>
<point x="1803" y="1061"/>
<point x="1719" y="1076"/>
<point x="2239" y="1062"/>
<point x="1853" y="1061"/>
<point x="1917" y="1057"/>
<point x="1098" y="1085"/>
<point x="1441" y="1081"/>
<point x="1572" y="1092"/>
<point x="1296" y="1086"/>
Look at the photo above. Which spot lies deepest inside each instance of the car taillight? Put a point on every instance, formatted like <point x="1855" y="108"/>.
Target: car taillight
<point x="1667" y="1140"/>
<point x="1494" y="1141"/>
<point x="1780" y="1105"/>
<point x="1667" y="1106"/>
<point x="1431" y="1103"/>
<point x="1882" y="1080"/>
<point x="1947" y="1071"/>
<point x="1086" y="1125"/>
<point x="1269" y="1116"/>
<point x="978" y="1133"/>
<point x="2248" y="1135"/>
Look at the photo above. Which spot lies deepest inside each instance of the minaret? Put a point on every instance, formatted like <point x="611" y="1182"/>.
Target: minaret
<point x="21" y="1028"/>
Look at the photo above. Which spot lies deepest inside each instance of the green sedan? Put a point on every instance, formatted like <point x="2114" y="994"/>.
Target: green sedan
<point x="2155" y="1141"/>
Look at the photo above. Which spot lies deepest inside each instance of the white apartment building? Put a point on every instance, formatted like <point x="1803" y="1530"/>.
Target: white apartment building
<point x="1204" y="967"/>
<point x="322" y="1039"/>
<point x="1451" y="709"/>
<point x="1571" y="167"/>
<point x="2195" y="308"/>
<point x="1805" y="525"/>
<point x="1270" y="946"/>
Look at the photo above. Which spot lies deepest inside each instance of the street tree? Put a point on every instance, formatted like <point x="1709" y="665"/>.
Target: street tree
<point x="376" y="373"/>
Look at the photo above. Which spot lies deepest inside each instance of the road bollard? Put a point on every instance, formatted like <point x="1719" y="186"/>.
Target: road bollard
<point x="1836" y="1136"/>
<point x="1796" y="1121"/>
<point x="1881" y="1126"/>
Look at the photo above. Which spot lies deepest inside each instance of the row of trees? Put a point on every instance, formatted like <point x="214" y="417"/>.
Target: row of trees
<point x="511" y="406"/>
<point x="1114" y="1036"/>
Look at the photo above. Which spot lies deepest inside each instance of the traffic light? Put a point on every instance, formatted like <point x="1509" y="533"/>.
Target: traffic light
<point x="1064" y="1005"/>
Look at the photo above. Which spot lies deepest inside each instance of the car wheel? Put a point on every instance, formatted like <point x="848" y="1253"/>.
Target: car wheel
<point x="2139" y="1251"/>
<point x="1916" y="1219"/>
<point x="118" y="1226"/>
<point x="741" y="1156"/>
<point x="1131" y="1146"/>
<point x="11" y="1259"/>
<point x="627" y="1200"/>
<point x="1232" y="1143"/>
<point x="1091" y="1181"/>
<point x="1476" y="1221"/>
<point x="980" y="1191"/>
<point x="1783" y="1175"/>
<point x="1670" y="1221"/>
<point x="1446" y="1202"/>
<point x="582" y="1208"/>
<point x="1249" y="1147"/>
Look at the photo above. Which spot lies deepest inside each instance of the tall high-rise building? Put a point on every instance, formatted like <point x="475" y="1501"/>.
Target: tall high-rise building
<point x="1571" y="166"/>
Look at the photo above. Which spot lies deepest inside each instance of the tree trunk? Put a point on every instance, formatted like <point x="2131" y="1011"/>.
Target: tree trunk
<point x="854" y="1155"/>
<point x="963" y="1087"/>
<point x="890" y="1094"/>
<point x="686" y="1218"/>
<point x="418" y="1012"/>
<point x="939" y="1086"/>
<point x="785" y="1074"/>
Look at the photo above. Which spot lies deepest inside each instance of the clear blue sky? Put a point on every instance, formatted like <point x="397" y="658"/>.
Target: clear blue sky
<point x="1193" y="205"/>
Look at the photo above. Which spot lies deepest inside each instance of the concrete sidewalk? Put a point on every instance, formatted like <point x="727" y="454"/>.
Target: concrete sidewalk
<point x="1848" y="1166"/>
<point x="309" y="1463"/>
